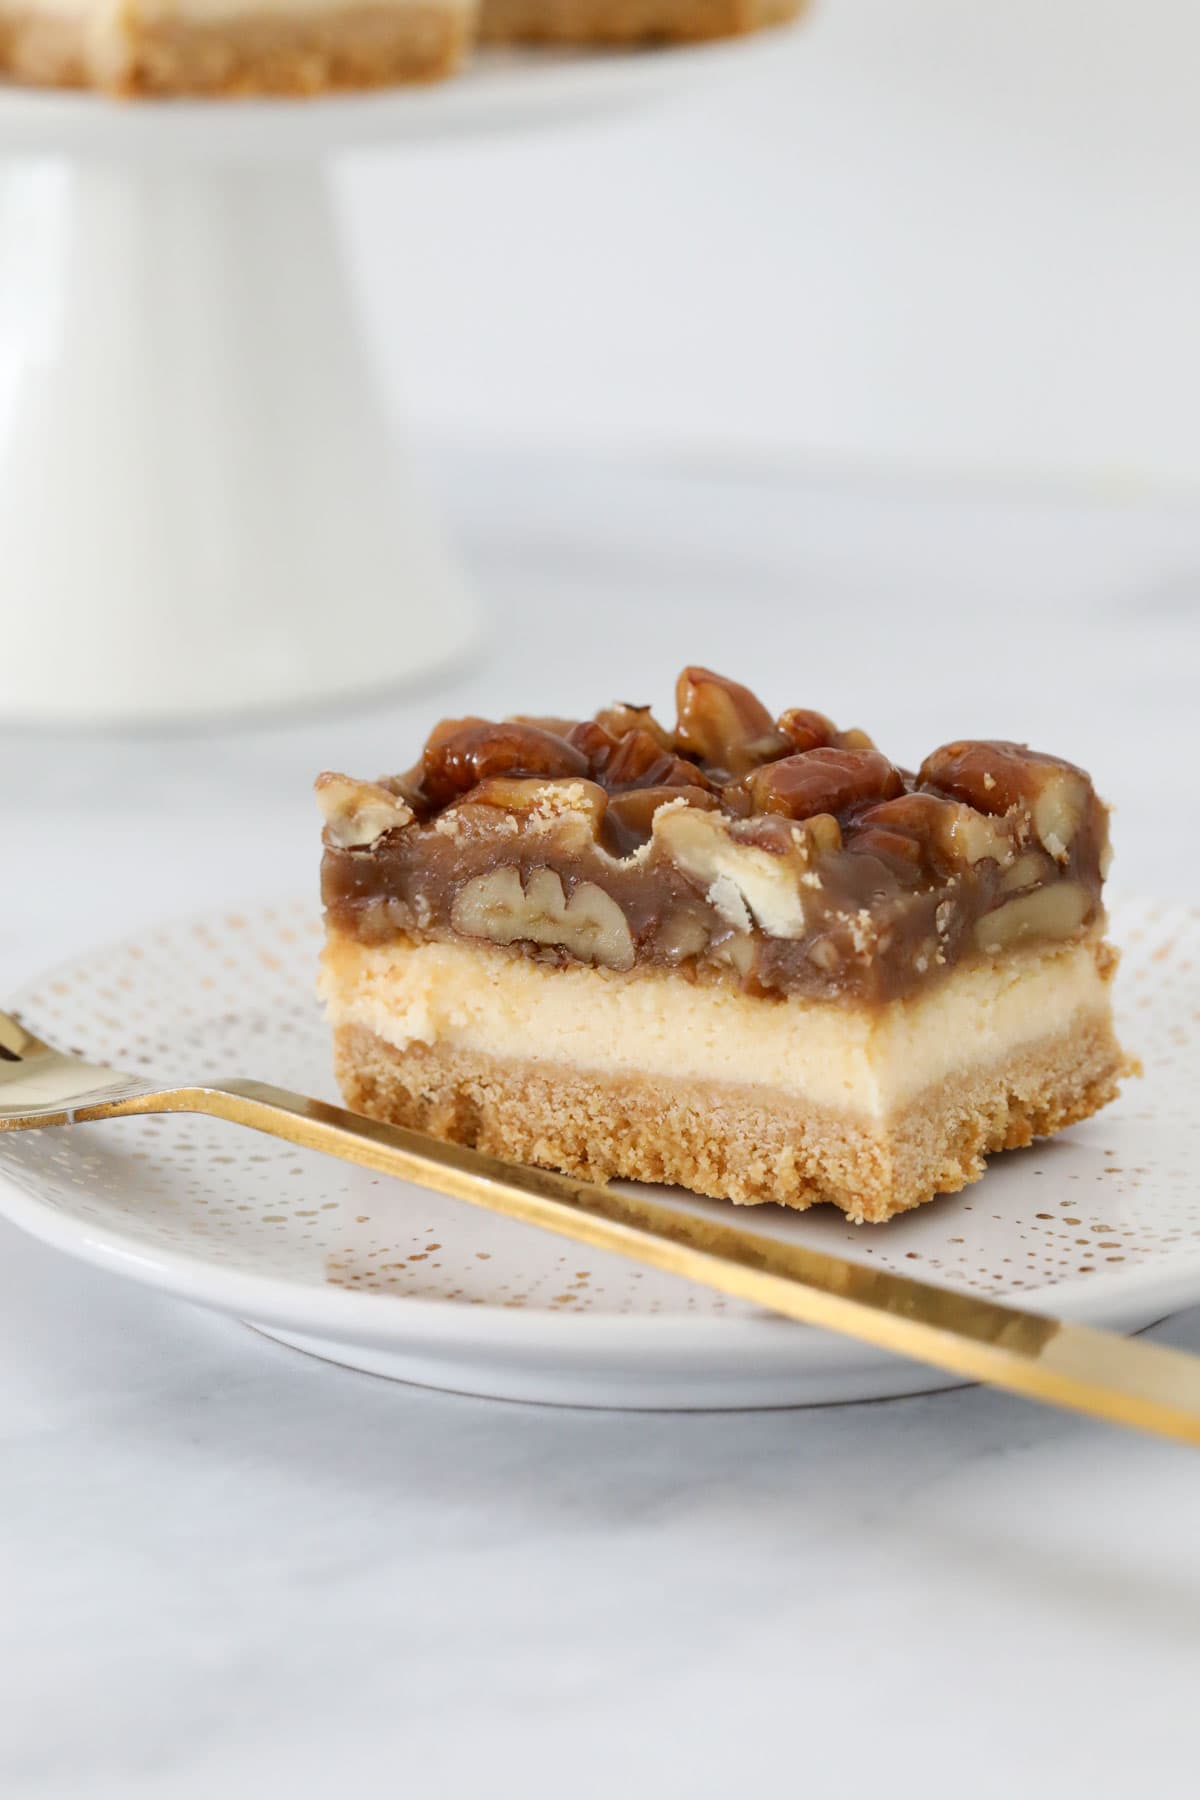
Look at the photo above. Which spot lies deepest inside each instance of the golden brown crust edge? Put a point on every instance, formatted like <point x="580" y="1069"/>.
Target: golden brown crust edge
<point x="727" y="1142"/>
<point x="45" y="52"/>
<point x="364" y="46"/>
<point x="628" y="21"/>
<point x="301" y="54"/>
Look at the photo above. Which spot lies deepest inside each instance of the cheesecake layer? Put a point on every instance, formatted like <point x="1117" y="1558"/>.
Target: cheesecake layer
<point x="730" y="1141"/>
<point x="865" y="1062"/>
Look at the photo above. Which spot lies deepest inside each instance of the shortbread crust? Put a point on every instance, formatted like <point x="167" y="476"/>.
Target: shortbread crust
<point x="217" y="50"/>
<point x="627" y="21"/>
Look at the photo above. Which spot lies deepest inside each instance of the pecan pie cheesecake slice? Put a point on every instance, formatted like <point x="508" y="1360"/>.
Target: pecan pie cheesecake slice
<point x="747" y="955"/>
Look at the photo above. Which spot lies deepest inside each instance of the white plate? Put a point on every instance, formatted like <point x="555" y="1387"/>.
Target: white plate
<point x="1102" y="1223"/>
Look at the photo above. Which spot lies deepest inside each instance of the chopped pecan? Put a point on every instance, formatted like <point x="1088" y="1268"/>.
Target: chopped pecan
<point x="462" y="752"/>
<point x="826" y="780"/>
<point x="722" y="725"/>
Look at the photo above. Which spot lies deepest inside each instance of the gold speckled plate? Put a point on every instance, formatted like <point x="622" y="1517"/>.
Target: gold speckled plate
<point x="1102" y="1223"/>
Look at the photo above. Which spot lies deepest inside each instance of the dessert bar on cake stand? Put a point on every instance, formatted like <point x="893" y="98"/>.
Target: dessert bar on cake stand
<point x="202" y="505"/>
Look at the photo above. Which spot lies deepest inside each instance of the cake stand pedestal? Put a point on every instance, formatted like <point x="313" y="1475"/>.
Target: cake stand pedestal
<point x="202" y="504"/>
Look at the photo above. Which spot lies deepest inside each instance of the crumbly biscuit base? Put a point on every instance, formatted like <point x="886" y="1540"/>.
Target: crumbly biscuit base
<point x="45" y="51"/>
<point x="363" y="46"/>
<point x="734" y="1143"/>
<point x="627" y="21"/>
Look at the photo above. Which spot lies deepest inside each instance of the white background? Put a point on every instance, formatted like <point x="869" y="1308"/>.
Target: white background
<point x="928" y="232"/>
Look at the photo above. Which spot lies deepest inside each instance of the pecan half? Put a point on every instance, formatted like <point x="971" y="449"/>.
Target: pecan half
<point x="722" y="724"/>
<point x="998" y="777"/>
<point x="826" y="780"/>
<point x="940" y="833"/>
<point x="589" y="925"/>
<point x="357" y="813"/>
<point x="462" y="752"/>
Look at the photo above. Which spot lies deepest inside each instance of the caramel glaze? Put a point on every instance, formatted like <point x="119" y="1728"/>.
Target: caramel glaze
<point x="898" y="877"/>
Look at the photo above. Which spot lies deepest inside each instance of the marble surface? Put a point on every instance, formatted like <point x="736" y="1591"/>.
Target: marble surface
<point x="226" y="1569"/>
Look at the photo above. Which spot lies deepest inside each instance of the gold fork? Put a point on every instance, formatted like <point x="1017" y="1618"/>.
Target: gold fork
<point x="1075" y="1366"/>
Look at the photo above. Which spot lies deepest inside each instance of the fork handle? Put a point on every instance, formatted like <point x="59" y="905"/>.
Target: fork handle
<point x="970" y="1337"/>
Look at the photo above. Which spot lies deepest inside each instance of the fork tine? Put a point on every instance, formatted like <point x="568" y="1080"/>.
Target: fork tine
<point x="16" y="1043"/>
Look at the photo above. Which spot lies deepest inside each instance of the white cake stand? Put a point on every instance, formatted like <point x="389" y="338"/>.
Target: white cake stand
<point x="202" y="507"/>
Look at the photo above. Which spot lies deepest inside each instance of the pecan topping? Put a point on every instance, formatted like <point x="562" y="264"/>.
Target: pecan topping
<point x="1004" y="778"/>
<point x="937" y="833"/>
<point x="788" y="855"/>
<point x="619" y="719"/>
<point x="721" y="724"/>
<point x="638" y="762"/>
<point x="629" y="820"/>
<point x="825" y="780"/>
<point x="462" y="752"/>
<point x="590" y="924"/>
<point x="357" y="813"/>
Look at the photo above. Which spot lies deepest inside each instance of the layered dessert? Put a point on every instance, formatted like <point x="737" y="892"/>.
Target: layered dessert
<point x="297" y="47"/>
<point x="231" y="47"/>
<point x="745" y="954"/>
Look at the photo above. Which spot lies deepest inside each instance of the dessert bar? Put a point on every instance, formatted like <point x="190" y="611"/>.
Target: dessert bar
<point x="231" y="47"/>
<point x="296" y="47"/>
<point x="746" y="954"/>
